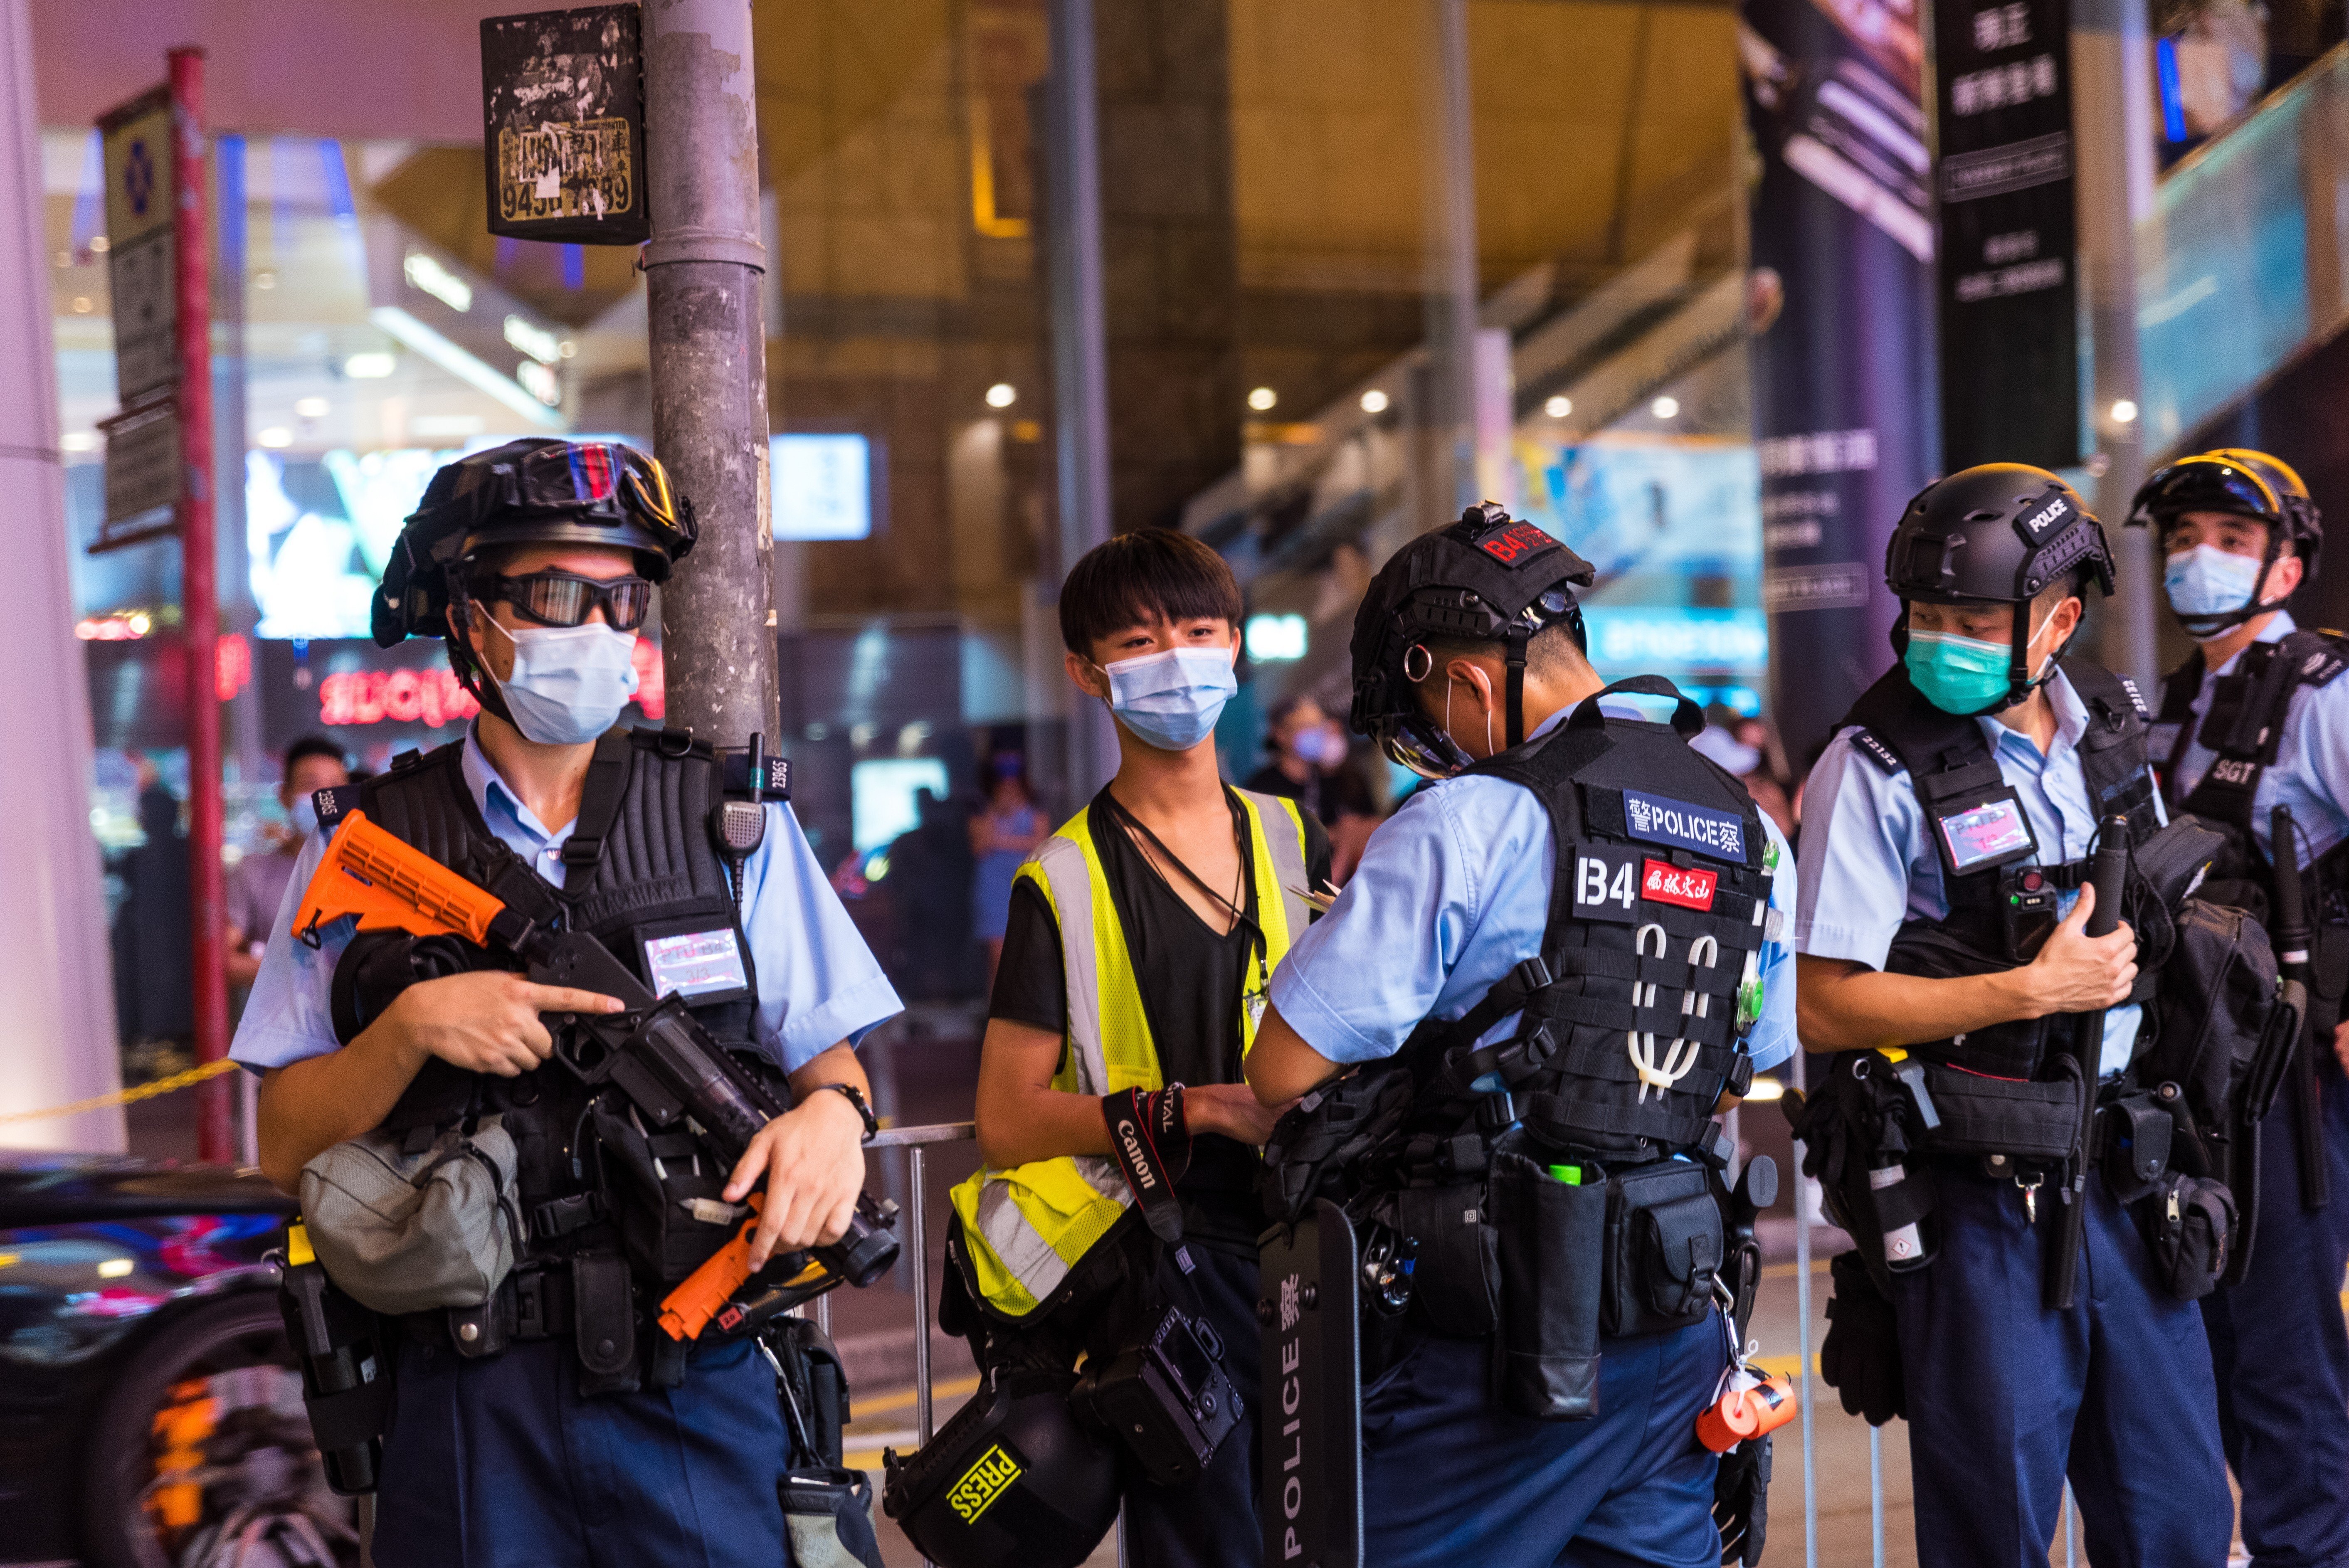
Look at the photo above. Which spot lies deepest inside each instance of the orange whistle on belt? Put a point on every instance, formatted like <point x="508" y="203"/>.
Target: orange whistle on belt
<point x="687" y="1310"/>
<point x="390" y="885"/>
<point x="1754" y="1410"/>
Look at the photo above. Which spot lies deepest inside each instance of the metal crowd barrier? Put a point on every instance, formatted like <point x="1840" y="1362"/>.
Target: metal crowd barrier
<point x="917" y="1140"/>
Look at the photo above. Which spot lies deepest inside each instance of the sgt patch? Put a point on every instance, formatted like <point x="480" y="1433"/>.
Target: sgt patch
<point x="985" y="1482"/>
<point x="1605" y="884"/>
<point x="1661" y="819"/>
<point x="1691" y="887"/>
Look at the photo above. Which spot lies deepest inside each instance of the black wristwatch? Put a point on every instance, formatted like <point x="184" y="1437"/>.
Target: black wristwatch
<point x="856" y="1096"/>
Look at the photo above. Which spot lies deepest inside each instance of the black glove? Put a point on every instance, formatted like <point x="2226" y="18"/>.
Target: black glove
<point x="1741" y="1500"/>
<point x="1861" y="1358"/>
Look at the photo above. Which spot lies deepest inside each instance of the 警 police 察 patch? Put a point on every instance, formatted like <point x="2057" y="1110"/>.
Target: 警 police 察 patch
<point x="1605" y="884"/>
<point x="1661" y="819"/>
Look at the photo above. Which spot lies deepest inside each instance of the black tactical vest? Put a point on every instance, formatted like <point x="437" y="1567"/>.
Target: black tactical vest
<point x="1658" y="913"/>
<point x="2244" y="728"/>
<point x="643" y="876"/>
<point x="2000" y="891"/>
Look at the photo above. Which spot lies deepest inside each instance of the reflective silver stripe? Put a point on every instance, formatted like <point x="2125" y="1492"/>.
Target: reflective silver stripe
<point x="1063" y="862"/>
<point x="1284" y="838"/>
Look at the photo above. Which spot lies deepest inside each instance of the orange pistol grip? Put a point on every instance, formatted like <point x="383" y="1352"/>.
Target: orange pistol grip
<point x="687" y="1310"/>
<point x="390" y="884"/>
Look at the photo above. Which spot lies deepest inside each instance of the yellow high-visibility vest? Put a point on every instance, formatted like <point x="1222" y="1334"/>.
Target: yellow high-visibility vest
<point x="1027" y="1226"/>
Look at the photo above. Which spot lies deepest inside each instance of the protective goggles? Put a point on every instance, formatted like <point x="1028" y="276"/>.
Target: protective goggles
<point x="2208" y="484"/>
<point x="599" y="478"/>
<point x="565" y="599"/>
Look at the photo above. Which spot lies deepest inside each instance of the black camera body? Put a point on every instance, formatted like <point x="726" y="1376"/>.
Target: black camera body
<point x="1167" y="1398"/>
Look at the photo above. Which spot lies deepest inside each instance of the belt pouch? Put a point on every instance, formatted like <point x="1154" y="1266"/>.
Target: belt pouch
<point x="483" y="1331"/>
<point x="666" y="1181"/>
<point x="604" y="1324"/>
<point x="2136" y="1137"/>
<point x="1456" y="1271"/>
<point x="1663" y="1248"/>
<point x="2030" y="1121"/>
<point x="1551" y="1236"/>
<point x="828" y="1519"/>
<point x="2189" y="1225"/>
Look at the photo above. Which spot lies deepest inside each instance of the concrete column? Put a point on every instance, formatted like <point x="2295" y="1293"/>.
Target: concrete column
<point x="57" y="1031"/>
<point x="704" y="300"/>
<point x="2113" y="136"/>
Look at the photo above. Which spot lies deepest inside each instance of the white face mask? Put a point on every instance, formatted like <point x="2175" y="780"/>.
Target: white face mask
<point x="1171" y="699"/>
<point x="569" y="683"/>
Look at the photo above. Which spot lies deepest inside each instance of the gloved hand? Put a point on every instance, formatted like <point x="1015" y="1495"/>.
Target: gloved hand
<point x="1741" y="1500"/>
<point x="1861" y="1358"/>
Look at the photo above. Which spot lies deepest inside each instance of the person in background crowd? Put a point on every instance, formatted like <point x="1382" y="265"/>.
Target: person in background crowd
<point x="1747" y="748"/>
<point x="1308" y="755"/>
<point x="151" y="945"/>
<point x="1001" y="835"/>
<point x="257" y="886"/>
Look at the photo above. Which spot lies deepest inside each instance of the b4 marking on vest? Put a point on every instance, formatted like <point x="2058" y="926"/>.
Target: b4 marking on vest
<point x="1517" y="542"/>
<point x="1662" y="821"/>
<point x="1606" y="886"/>
<point x="985" y="1482"/>
<point x="1691" y="887"/>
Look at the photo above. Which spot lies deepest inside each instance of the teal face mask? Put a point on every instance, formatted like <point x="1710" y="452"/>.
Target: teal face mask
<point x="1961" y="675"/>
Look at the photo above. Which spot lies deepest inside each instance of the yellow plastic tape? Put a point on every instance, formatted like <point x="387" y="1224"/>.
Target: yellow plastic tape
<point x="171" y="1085"/>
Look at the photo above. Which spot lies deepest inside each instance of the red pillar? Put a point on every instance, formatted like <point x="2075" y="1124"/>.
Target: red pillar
<point x="199" y="593"/>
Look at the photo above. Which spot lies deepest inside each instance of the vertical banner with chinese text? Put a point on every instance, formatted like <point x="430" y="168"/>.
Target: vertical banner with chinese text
<point x="1839" y="310"/>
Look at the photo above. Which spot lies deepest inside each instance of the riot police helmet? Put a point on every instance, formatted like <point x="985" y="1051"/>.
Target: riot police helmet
<point x="1487" y="578"/>
<point x="2235" y="481"/>
<point x="525" y="492"/>
<point x="1013" y="1481"/>
<point x="1999" y="533"/>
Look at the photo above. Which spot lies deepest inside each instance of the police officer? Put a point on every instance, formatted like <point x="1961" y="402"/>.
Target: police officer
<point x="1115" y="1034"/>
<point x="2260" y="695"/>
<point x="537" y="560"/>
<point x="1574" y="930"/>
<point x="1946" y="827"/>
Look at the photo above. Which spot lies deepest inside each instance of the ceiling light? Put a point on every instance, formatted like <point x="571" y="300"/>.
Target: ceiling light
<point x="98" y="244"/>
<point x="1002" y="395"/>
<point x="1558" y="408"/>
<point x="1262" y="399"/>
<point x="1374" y="401"/>
<point x="373" y="367"/>
<point x="78" y="441"/>
<point x="313" y="407"/>
<point x="275" y="436"/>
<point x="2124" y="412"/>
<point x="1665" y="407"/>
<point x="81" y="304"/>
<point x="264" y="280"/>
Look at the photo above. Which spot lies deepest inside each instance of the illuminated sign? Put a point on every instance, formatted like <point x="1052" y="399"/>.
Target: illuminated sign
<point x="433" y="697"/>
<point x="535" y="341"/>
<point x="819" y="486"/>
<point x="1273" y="639"/>
<point x="540" y="382"/>
<point x="425" y="272"/>
<point x="1653" y="637"/>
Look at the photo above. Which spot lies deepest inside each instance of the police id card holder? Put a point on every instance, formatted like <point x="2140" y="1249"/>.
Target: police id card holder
<point x="1982" y="831"/>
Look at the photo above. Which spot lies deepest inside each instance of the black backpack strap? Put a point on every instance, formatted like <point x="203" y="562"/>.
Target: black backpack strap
<point x="600" y="801"/>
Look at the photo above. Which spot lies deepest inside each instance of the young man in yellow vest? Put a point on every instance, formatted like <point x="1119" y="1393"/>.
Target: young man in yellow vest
<point x="1141" y="939"/>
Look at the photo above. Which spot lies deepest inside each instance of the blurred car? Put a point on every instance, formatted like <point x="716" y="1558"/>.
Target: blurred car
<point x="151" y="1408"/>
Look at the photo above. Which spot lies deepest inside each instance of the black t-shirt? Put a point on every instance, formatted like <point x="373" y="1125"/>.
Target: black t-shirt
<point x="1191" y="980"/>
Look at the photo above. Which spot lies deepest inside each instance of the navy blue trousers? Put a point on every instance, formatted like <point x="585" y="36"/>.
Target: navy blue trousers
<point x="500" y="1464"/>
<point x="2281" y="1351"/>
<point x="2006" y="1398"/>
<point x="1449" y="1478"/>
<point x="1211" y="1522"/>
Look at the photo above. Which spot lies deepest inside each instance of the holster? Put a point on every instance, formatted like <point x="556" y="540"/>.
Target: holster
<point x="1551" y="1238"/>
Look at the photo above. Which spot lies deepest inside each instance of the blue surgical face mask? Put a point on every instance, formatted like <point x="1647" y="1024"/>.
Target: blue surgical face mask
<point x="303" y="817"/>
<point x="2209" y="580"/>
<point x="1320" y="746"/>
<point x="1172" y="699"/>
<point x="1961" y="675"/>
<point x="569" y="683"/>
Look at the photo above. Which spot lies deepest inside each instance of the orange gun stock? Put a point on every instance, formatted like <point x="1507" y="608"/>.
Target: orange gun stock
<point x="390" y="885"/>
<point x="687" y="1310"/>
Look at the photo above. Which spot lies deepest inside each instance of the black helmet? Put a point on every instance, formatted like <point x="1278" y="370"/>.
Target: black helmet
<point x="2241" y="483"/>
<point x="1012" y="1479"/>
<point x="1998" y="533"/>
<point x="1485" y="579"/>
<point x="530" y="491"/>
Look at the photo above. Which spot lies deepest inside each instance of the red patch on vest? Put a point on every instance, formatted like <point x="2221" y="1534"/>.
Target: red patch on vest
<point x="1691" y="887"/>
<point x="1516" y="543"/>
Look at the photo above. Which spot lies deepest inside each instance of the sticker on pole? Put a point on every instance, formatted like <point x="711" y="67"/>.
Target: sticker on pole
<point x="564" y="126"/>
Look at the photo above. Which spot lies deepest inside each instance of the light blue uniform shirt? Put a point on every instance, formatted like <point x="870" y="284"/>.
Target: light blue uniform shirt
<point x="818" y="982"/>
<point x="2312" y="768"/>
<point x="1869" y="861"/>
<point x="1452" y="893"/>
